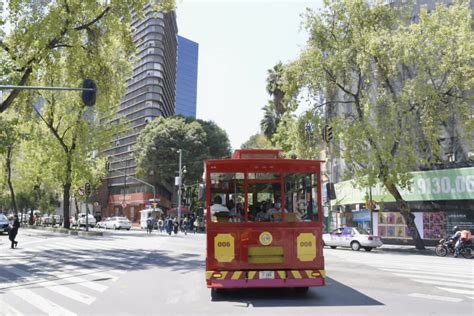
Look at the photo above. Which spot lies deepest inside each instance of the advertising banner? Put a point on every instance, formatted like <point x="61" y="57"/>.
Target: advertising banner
<point x="447" y="184"/>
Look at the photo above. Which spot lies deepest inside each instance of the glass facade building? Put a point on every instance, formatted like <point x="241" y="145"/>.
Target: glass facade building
<point x="186" y="78"/>
<point x="151" y="92"/>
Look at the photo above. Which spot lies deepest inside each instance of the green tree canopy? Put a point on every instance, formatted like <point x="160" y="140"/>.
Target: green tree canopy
<point x="395" y="79"/>
<point x="156" y="151"/>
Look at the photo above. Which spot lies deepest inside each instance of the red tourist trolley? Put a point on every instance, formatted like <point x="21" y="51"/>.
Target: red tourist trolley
<point x="264" y="221"/>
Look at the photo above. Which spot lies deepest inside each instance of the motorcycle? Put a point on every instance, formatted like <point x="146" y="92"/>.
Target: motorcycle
<point x="446" y="246"/>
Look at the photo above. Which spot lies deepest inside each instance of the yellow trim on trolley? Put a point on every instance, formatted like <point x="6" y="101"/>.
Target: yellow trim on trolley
<point x="236" y="275"/>
<point x="323" y="273"/>
<point x="296" y="274"/>
<point x="251" y="274"/>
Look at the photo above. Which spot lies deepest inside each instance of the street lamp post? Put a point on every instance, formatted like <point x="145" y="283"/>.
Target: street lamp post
<point x="180" y="151"/>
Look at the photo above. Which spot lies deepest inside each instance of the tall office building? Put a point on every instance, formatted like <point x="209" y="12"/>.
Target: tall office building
<point x="150" y="93"/>
<point x="186" y="79"/>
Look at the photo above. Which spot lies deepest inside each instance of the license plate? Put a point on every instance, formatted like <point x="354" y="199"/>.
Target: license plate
<point x="266" y="274"/>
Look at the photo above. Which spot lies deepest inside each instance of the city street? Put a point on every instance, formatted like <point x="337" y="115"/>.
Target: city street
<point x="130" y="272"/>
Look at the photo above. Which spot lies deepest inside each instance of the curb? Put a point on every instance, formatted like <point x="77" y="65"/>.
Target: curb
<point x="66" y="231"/>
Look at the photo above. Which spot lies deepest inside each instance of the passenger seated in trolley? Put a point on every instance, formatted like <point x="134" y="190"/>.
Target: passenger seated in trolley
<point x="219" y="212"/>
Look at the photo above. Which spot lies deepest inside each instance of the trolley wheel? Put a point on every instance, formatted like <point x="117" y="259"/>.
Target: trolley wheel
<point x="301" y="290"/>
<point x="355" y="245"/>
<point x="216" y="293"/>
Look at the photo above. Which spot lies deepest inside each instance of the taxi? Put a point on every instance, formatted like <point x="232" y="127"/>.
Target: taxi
<point x="352" y="237"/>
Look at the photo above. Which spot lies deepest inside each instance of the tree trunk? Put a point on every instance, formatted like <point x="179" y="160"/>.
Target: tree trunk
<point x="67" y="192"/>
<point x="9" y="177"/>
<point x="407" y="215"/>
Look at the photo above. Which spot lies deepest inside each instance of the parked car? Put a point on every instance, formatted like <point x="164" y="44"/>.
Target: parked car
<point x="102" y="223"/>
<point x="4" y="224"/>
<point x="352" y="237"/>
<point x="81" y="220"/>
<point x="118" y="223"/>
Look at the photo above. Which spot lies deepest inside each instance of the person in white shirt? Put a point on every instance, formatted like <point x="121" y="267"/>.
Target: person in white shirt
<point x="217" y="207"/>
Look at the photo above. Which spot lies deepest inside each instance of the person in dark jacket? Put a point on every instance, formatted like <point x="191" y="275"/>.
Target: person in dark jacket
<point x="14" y="231"/>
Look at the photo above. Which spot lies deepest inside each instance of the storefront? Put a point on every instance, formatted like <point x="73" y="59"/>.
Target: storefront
<point x="439" y="200"/>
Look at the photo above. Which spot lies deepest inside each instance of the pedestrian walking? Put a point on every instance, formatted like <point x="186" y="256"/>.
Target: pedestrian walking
<point x="169" y="225"/>
<point x="185" y="225"/>
<point x="14" y="231"/>
<point x="149" y="225"/>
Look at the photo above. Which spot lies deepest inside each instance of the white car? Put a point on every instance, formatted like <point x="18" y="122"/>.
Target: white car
<point x="352" y="237"/>
<point x="81" y="220"/>
<point x="102" y="223"/>
<point x="118" y="223"/>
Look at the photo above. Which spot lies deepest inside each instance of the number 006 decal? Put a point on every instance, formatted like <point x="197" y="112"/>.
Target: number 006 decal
<point x="224" y="249"/>
<point x="306" y="247"/>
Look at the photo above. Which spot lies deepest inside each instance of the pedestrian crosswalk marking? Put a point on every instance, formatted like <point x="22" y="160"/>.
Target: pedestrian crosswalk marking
<point x="409" y="271"/>
<point x="430" y="277"/>
<point x="467" y="286"/>
<point x="7" y="310"/>
<point x="56" y="287"/>
<point x="436" y="297"/>
<point x="456" y="290"/>
<point x="41" y="303"/>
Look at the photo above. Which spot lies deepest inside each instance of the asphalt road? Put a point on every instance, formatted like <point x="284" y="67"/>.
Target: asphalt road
<point x="131" y="273"/>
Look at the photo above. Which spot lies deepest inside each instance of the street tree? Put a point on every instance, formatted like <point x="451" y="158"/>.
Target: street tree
<point x="10" y="137"/>
<point x="79" y="27"/>
<point x="257" y="141"/>
<point x="156" y="149"/>
<point x="278" y="105"/>
<point x="398" y="80"/>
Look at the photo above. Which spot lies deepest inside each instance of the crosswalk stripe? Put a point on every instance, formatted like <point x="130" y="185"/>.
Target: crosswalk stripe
<point x="83" y="282"/>
<point x="434" y="277"/>
<point x="456" y="290"/>
<point x="436" y="297"/>
<point x="8" y="310"/>
<point x="56" y="287"/>
<point x="41" y="303"/>
<point x="430" y="272"/>
<point x="467" y="286"/>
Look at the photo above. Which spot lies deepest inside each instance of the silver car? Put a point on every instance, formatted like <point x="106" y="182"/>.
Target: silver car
<point x="351" y="237"/>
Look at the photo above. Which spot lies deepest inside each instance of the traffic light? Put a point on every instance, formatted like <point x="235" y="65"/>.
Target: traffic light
<point x="87" y="188"/>
<point x="327" y="133"/>
<point x="88" y="97"/>
<point x="330" y="191"/>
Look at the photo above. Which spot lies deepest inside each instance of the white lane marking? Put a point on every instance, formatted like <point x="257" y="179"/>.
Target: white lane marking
<point x="83" y="282"/>
<point x="56" y="287"/>
<point x="430" y="277"/>
<point x="8" y="310"/>
<point x="41" y="303"/>
<point x="436" y="297"/>
<point x="456" y="290"/>
<point x="466" y="286"/>
<point x="462" y="275"/>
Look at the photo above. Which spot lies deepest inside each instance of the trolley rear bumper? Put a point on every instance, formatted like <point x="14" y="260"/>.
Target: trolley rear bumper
<point x="242" y="279"/>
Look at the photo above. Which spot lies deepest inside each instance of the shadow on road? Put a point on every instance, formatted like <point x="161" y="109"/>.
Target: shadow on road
<point x="333" y="294"/>
<point x="59" y="264"/>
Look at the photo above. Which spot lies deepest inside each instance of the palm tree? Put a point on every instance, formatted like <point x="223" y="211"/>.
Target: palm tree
<point x="276" y="107"/>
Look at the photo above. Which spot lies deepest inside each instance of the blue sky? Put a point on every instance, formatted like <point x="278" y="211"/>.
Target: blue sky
<point x="238" y="42"/>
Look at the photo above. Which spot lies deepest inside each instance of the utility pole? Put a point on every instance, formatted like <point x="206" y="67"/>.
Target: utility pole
<point x="179" y="185"/>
